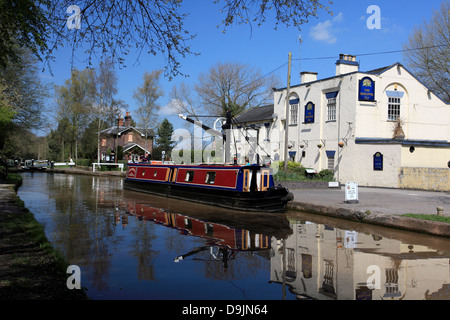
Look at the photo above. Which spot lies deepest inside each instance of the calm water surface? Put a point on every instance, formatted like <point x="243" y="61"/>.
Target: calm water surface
<point x="130" y="245"/>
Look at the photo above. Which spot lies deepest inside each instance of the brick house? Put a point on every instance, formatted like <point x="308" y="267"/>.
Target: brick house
<point x="132" y="139"/>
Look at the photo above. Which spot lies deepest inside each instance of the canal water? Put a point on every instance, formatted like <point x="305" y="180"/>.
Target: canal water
<point x="130" y="245"/>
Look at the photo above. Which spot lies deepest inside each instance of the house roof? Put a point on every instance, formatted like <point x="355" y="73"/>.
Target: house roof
<point x="398" y="64"/>
<point x="377" y="72"/>
<point x="256" y="114"/>
<point x="131" y="145"/>
<point x="120" y="130"/>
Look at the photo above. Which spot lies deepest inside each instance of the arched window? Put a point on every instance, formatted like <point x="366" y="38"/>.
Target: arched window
<point x="293" y="107"/>
<point x="394" y="104"/>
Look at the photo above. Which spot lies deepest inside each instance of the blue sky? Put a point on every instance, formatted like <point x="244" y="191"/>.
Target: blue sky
<point x="263" y="47"/>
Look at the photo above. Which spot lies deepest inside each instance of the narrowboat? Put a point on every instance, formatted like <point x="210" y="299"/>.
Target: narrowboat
<point x="238" y="187"/>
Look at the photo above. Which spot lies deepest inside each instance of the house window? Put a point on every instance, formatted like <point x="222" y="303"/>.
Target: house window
<point x="394" y="108"/>
<point x="294" y="114"/>
<point x="394" y="103"/>
<point x="330" y="158"/>
<point x="103" y="142"/>
<point x="331" y="163"/>
<point x="331" y="105"/>
<point x="130" y="138"/>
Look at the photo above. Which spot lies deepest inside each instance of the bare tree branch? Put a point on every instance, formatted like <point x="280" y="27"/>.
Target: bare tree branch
<point x="427" y="52"/>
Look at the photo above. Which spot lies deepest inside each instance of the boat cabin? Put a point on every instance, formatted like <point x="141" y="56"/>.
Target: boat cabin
<point x="250" y="178"/>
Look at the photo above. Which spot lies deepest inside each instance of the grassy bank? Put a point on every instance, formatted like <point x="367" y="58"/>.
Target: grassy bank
<point x="430" y="217"/>
<point x="30" y="268"/>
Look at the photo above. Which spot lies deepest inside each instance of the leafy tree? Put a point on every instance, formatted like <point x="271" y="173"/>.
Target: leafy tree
<point x="6" y="116"/>
<point x="88" y="141"/>
<point x="105" y="108"/>
<point x="60" y="141"/>
<point x="74" y="101"/>
<point x="22" y="100"/>
<point x="116" y="28"/>
<point x="22" y="91"/>
<point x="146" y="97"/>
<point x="427" y="52"/>
<point x="23" y="24"/>
<point x="164" y="136"/>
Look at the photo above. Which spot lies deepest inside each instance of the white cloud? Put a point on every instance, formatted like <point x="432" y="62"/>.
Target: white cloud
<point x="338" y="18"/>
<point x="324" y="31"/>
<point x="170" y="109"/>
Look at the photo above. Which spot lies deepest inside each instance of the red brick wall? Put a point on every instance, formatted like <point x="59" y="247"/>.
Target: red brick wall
<point x="124" y="139"/>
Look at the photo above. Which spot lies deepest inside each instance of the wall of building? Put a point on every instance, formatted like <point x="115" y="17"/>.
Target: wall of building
<point x="305" y="138"/>
<point x="418" y="156"/>
<point x="433" y="179"/>
<point x="423" y="114"/>
<point x="357" y="164"/>
<point x="425" y="121"/>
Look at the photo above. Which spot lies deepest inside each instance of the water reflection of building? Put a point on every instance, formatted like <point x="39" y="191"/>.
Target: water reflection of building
<point x="319" y="262"/>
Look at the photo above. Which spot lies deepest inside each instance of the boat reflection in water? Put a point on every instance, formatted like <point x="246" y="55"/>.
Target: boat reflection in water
<point x="226" y="232"/>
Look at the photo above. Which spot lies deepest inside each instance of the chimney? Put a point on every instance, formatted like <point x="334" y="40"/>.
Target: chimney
<point x="346" y="64"/>
<point x="120" y="121"/>
<point x="128" y="119"/>
<point x="307" y="76"/>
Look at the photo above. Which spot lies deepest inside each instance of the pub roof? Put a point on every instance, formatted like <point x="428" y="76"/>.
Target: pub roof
<point x="256" y="114"/>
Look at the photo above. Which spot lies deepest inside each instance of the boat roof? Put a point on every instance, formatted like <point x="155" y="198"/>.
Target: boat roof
<point x="202" y="165"/>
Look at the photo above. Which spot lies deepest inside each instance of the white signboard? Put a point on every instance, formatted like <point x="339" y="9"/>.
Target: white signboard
<point x="351" y="192"/>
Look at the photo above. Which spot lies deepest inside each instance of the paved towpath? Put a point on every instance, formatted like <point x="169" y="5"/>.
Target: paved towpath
<point x="379" y="200"/>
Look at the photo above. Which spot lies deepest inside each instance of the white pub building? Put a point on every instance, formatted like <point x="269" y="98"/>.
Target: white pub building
<point x="378" y="128"/>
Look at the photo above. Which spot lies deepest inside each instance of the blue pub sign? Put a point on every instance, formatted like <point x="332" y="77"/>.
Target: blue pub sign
<point x="309" y="112"/>
<point x="366" y="89"/>
<point x="378" y="161"/>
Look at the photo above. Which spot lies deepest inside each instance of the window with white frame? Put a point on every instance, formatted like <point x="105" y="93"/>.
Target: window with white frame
<point x="331" y="109"/>
<point x="293" y="120"/>
<point x="394" y="108"/>
<point x="394" y="104"/>
<point x="331" y="105"/>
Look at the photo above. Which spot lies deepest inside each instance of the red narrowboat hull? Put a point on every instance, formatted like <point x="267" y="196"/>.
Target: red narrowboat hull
<point x="248" y="188"/>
